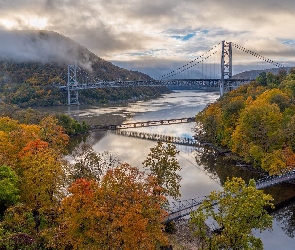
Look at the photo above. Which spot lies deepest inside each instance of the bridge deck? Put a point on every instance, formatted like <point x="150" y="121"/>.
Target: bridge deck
<point x="201" y="83"/>
<point x="158" y="137"/>
<point x="144" y="124"/>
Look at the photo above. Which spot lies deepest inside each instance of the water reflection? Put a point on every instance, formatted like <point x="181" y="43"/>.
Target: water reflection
<point x="222" y="167"/>
<point x="285" y="217"/>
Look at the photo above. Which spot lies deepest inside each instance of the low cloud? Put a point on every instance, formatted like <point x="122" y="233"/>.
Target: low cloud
<point x="39" y="46"/>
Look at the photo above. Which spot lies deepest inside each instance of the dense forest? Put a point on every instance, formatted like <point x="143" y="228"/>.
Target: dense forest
<point x="89" y="203"/>
<point x="256" y="122"/>
<point x="94" y="201"/>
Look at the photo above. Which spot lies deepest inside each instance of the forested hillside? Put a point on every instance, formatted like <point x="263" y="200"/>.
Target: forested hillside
<point x="252" y="74"/>
<point x="30" y="70"/>
<point x="256" y="122"/>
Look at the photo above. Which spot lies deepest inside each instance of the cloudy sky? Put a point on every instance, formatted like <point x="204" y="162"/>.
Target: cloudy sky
<point x="157" y="35"/>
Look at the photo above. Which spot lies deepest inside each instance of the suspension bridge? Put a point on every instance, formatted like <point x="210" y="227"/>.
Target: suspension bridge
<point x="78" y="79"/>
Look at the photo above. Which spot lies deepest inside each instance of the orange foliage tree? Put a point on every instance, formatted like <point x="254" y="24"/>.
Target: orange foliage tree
<point x="122" y="212"/>
<point x="54" y="134"/>
<point x="37" y="163"/>
<point x="41" y="175"/>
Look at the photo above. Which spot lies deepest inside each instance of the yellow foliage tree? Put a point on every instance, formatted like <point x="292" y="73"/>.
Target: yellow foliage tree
<point x="52" y="133"/>
<point x="237" y="210"/>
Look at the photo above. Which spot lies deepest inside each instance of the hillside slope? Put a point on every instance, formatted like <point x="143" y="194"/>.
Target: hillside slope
<point x="32" y="62"/>
<point x="34" y="51"/>
<point x="252" y="74"/>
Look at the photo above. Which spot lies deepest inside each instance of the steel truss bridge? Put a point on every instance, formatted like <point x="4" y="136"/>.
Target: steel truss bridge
<point x="183" y="208"/>
<point x="225" y="83"/>
<point x="200" y="83"/>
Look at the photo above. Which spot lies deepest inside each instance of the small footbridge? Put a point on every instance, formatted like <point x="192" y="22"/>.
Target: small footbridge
<point x="275" y="179"/>
<point x="183" y="208"/>
<point x="158" y="137"/>
<point x="140" y="124"/>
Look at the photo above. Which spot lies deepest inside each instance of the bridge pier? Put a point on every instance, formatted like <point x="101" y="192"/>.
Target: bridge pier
<point x="226" y="67"/>
<point x="73" y="95"/>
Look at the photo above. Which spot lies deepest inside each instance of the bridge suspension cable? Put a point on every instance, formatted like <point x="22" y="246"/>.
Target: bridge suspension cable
<point x="190" y="64"/>
<point x="257" y="55"/>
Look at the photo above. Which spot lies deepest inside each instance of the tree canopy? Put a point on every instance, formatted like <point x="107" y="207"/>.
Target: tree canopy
<point x="120" y="212"/>
<point x="163" y="164"/>
<point x="255" y="121"/>
<point x="9" y="193"/>
<point x="235" y="211"/>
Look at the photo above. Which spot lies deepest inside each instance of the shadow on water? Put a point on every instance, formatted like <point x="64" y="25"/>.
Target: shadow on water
<point x="284" y="214"/>
<point x="222" y="167"/>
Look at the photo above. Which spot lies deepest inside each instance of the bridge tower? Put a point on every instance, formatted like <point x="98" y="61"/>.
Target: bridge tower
<point x="73" y="96"/>
<point x="226" y="67"/>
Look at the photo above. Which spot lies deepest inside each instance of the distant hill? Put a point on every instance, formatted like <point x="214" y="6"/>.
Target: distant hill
<point x="37" y="50"/>
<point x="252" y="74"/>
<point x="31" y="62"/>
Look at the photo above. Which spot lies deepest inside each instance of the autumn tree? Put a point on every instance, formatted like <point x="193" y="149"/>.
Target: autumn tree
<point x="41" y="176"/>
<point x="17" y="229"/>
<point x="37" y="162"/>
<point x="236" y="210"/>
<point x="40" y="186"/>
<point x="53" y="133"/>
<point x="9" y="193"/>
<point x="260" y="125"/>
<point x="208" y="124"/>
<point x="163" y="164"/>
<point x="13" y="137"/>
<point x="123" y="211"/>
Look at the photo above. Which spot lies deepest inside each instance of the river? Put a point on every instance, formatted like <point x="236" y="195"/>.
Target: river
<point x="202" y="170"/>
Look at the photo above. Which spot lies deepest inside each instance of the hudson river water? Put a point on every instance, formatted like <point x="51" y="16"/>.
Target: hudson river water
<point x="202" y="170"/>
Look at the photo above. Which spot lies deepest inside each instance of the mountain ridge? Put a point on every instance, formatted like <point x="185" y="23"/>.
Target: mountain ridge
<point x="252" y="74"/>
<point x="52" y="48"/>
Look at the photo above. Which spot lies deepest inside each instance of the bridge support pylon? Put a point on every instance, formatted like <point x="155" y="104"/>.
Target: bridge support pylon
<point x="73" y="95"/>
<point x="226" y="67"/>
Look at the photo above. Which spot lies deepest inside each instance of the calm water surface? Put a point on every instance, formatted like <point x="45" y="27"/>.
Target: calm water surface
<point x="202" y="172"/>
